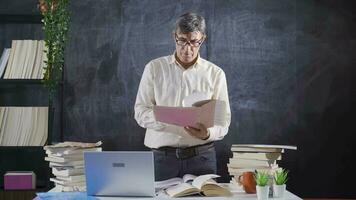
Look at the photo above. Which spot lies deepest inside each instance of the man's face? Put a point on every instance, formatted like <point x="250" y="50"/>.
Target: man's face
<point x="187" y="46"/>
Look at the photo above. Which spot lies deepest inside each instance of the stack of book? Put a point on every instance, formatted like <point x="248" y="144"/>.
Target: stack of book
<point x="67" y="162"/>
<point x="255" y="157"/>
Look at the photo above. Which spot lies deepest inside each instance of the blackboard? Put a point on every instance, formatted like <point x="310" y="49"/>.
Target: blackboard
<point x="254" y="45"/>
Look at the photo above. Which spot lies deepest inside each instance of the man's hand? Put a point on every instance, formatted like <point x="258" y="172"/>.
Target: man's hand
<point x="201" y="132"/>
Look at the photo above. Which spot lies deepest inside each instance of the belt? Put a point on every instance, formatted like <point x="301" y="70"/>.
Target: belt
<point x="187" y="152"/>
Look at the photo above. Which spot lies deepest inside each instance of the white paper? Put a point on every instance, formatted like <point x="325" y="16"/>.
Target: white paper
<point x="200" y="180"/>
<point x="188" y="101"/>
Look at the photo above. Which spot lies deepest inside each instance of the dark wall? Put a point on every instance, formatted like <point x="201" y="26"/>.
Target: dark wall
<point x="289" y="64"/>
<point x="325" y="70"/>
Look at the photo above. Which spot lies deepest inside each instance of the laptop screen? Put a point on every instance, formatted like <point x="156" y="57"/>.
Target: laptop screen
<point x="119" y="173"/>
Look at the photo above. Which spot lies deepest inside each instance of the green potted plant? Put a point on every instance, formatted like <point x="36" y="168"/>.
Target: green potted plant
<point x="280" y="180"/>
<point x="262" y="187"/>
<point x="56" y="19"/>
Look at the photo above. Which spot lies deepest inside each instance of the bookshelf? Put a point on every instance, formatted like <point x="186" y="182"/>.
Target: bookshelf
<point x="20" y="19"/>
<point x="24" y="93"/>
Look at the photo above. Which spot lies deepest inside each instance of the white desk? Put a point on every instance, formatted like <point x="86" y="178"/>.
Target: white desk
<point x="238" y="194"/>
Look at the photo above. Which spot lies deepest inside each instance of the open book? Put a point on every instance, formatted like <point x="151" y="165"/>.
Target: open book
<point x="191" y="184"/>
<point x="195" y="110"/>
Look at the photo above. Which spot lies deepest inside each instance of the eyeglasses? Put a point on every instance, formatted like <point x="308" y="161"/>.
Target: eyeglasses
<point x="193" y="43"/>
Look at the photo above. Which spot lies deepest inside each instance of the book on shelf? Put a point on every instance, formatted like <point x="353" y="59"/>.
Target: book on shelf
<point x="23" y="126"/>
<point x="257" y="156"/>
<point x="9" y="68"/>
<point x="39" y="64"/>
<point x="4" y="60"/>
<point x="26" y="60"/>
<point x="191" y="184"/>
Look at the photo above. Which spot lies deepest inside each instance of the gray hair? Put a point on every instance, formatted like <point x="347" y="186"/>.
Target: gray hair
<point x="190" y="22"/>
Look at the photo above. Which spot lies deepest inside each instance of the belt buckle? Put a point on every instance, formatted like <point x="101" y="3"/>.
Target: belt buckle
<point x="185" y="153"/>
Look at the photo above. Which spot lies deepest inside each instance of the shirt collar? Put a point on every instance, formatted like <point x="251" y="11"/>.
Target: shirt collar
<point x="173" y="60"/>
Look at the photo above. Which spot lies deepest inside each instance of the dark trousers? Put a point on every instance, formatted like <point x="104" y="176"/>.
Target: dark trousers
<point x="175" y="162"/>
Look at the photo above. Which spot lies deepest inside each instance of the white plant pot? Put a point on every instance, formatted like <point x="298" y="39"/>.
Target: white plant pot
<point x="262" y="192"/>
<point x="279" y="190"/>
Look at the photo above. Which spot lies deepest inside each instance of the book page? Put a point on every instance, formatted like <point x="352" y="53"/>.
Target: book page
<point x="182" y="189"/>
<point x="168" y="183"/>
<point x="200" y="180"/>
<point x="188" y="177"/>
<point x="193" y="98"/>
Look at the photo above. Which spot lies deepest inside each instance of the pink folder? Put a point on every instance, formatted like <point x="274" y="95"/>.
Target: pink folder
<point x="210" y="113"/>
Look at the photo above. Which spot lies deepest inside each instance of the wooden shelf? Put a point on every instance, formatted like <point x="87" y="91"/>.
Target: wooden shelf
<point x="25" y="92"/>
<point x="20" y="19"/>
<point x="20" y="194"/>
<point x="20" y="92"/>
<point x="21" y="81"/>
<point x="25" y="158"/>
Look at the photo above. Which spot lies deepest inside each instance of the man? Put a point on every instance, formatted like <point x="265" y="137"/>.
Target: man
<point x="165" y="82"/>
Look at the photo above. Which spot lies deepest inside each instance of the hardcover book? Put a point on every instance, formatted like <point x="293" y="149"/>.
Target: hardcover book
<point x="207" y="112"/>
<point x="16" y="180"/>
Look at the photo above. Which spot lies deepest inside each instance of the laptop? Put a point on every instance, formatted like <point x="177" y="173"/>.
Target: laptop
<point x="119" y="173"/>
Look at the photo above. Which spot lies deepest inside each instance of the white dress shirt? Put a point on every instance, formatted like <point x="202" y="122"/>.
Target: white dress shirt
<point x="164" y="82"/>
